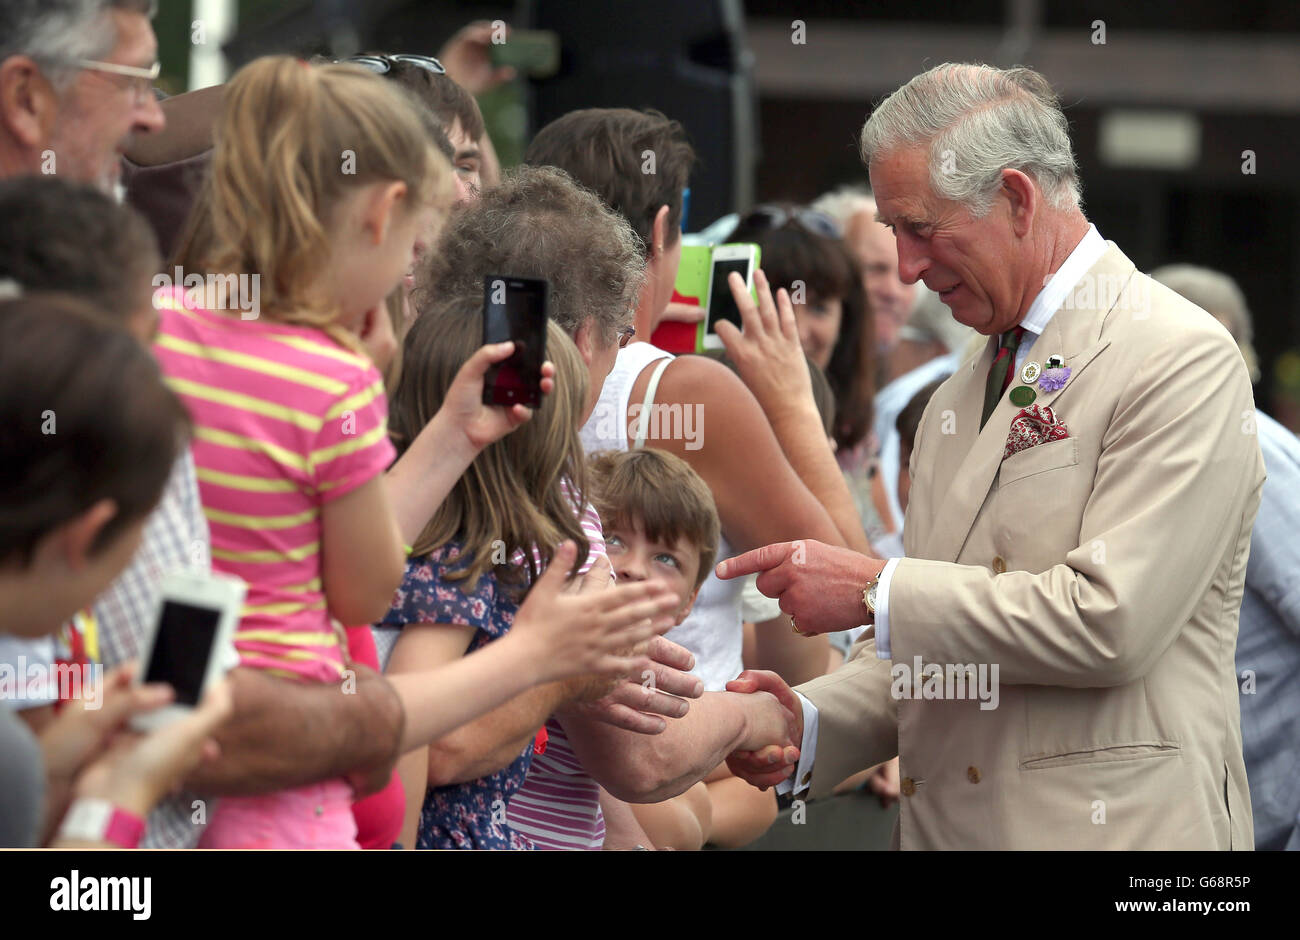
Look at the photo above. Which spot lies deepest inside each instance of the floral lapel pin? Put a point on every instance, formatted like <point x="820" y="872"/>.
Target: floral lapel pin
<point x="1054" y="375"/>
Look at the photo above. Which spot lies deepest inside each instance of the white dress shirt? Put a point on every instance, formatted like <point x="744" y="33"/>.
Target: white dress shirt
<point x="1085" y="254"/>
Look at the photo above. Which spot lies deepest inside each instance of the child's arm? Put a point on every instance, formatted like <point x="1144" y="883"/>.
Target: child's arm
<point x="558" y="634"/>
<point x="424" y="654"/>
<point x="413" y="768"/>
<point x="362" y="559"/>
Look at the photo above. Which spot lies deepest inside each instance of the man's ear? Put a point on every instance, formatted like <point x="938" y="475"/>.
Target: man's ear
<point x="686" y="611"/>
<point x="73" y="540"/>
<point x="28" y="104"/>
<point x="659" y="233"/>
<point x="1022" y="199"/>
<point x="378" y="215"/>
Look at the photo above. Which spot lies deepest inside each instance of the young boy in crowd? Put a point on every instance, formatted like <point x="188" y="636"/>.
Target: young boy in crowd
<point x="660" y="524"/>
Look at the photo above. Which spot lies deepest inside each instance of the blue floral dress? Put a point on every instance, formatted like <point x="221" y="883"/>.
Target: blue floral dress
<point x="469" y="815"/>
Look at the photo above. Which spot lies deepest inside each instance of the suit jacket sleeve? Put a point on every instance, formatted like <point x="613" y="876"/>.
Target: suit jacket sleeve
<point x="1178" y="461"/>
<point x="858" y="718"/>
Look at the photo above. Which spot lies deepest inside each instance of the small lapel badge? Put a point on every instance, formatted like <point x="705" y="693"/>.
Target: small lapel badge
<point x="1022" y="395"/>
<point x="1055" y="374"/>
<point x="1029" y="374"/>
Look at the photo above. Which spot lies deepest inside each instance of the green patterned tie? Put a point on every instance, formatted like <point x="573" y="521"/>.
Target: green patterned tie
<point x="1004" y="363"/>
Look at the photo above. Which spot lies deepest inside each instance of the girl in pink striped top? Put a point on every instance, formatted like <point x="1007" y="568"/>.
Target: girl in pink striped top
<point x="323" y="181"/>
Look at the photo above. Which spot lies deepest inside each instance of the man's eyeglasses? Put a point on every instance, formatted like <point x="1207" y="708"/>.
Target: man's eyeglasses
<point x="819" y="223"/>
<point x="383" y="64"/>
<point x="141" y="84"/>
<point x="625" y="336"/>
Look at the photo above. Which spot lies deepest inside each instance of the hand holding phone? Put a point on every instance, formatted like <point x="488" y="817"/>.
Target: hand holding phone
<point x="742" y="259"/>
<point x="766" y="350"/>
<point x="463" y="408"/>
<point x="138" y="770"/>
<point x="196" y="619"/>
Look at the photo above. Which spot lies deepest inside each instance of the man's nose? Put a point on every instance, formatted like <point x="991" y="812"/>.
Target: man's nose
<point x="912" y="260"/>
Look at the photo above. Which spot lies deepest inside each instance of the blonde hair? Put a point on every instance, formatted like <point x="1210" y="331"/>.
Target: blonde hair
<point x="291" y="141"/>
<point x="511" y="498"/>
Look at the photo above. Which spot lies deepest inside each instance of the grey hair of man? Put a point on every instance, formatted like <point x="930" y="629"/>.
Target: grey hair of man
<point x="1219" y="295"/>
<point x="56" y="33"/>
<point x="540" y="222"/>
<point x="844" y="203"/>
<point x="977" y="121"/>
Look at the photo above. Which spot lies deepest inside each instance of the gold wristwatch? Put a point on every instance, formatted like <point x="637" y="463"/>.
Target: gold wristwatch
<point x="869" y="598"/>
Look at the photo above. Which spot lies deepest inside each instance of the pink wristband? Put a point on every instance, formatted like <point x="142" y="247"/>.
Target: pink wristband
<point x="95" y="820"/>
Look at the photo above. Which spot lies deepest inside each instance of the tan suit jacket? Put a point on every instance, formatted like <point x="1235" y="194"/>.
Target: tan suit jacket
<point x="1102" y="573"/>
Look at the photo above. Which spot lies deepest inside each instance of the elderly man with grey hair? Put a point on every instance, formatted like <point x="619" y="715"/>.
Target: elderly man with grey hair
<point x="1062" y="627"/>
<point x="1268" y="643"/>
<point x="76" y="82"/>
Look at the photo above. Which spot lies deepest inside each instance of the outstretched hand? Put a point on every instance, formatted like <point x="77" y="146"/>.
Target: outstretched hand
<point x="591" y="630"/>
<point x="661" y="689"/>
<point x="767" y="354"/>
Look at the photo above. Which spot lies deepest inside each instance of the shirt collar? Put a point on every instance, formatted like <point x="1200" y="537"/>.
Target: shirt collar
<point x="1087" y="253"/>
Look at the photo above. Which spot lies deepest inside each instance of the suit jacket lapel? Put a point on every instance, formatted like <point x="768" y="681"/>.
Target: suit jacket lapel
<point x="1074" y="332"/>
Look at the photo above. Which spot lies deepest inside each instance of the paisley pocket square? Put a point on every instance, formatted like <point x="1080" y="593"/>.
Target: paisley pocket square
<point x="1034" y="425"/>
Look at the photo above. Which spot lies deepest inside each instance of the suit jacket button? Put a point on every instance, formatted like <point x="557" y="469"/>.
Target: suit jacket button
<point x="807" y="778"/>
<point x="973" y="774"/>
<point x="908" y="786"/>
<point x="999" y="564"/>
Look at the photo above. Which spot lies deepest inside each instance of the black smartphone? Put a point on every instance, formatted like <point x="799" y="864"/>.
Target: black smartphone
<point x="514" y="308"/>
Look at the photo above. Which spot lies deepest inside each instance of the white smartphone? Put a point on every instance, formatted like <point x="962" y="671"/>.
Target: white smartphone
<point x="195" y="622"/>
<point x="741" y="258"/>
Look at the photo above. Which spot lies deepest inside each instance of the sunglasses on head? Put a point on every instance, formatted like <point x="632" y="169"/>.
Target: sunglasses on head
<point x="383" y="64"/>
<point x="776" y="217"/>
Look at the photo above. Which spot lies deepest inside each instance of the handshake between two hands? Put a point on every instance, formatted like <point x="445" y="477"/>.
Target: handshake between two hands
<point x="820" y="587"/>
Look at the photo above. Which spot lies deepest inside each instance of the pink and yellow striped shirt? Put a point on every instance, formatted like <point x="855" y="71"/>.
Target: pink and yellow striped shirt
<point x="285" y="420"/>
